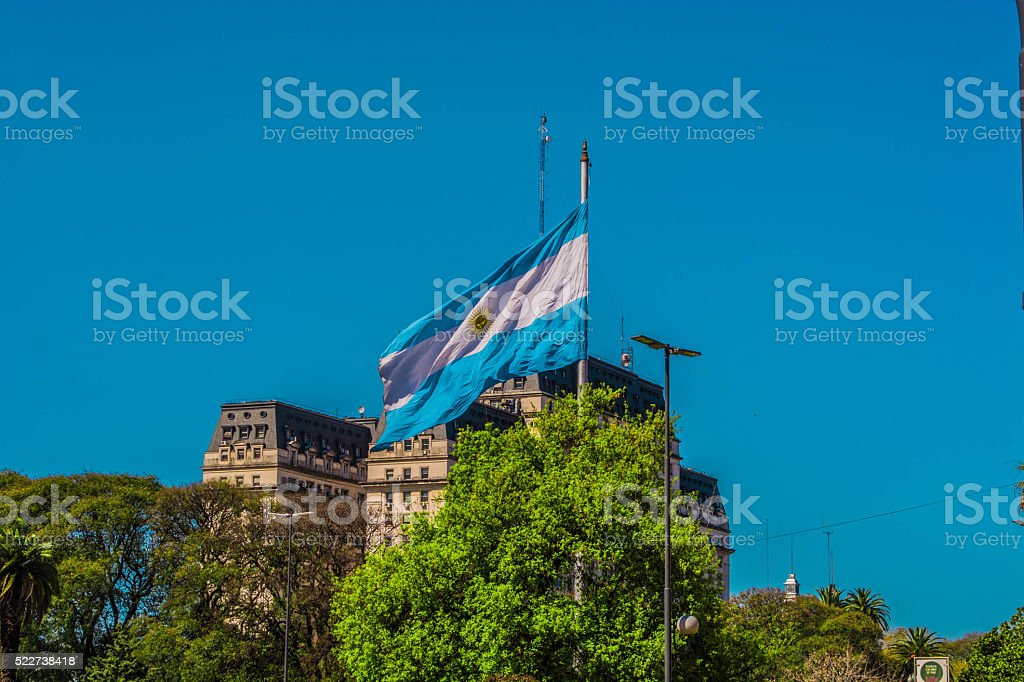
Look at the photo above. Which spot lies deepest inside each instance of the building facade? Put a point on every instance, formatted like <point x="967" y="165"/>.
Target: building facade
<point x="409" y="477"/>
<point x="265" y="444"/>
<point x="268" y="444"/>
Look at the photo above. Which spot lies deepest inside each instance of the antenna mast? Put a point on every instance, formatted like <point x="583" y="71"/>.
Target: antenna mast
<point x="831" y="563"/>
<point x="545" y="139"/>
<point x="626" y="359"/>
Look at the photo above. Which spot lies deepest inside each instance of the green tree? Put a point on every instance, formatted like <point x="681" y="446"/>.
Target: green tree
<point x="998" y="655"/>
<point x="870" y="604"/>
<point x="220" y="565"/>
<point x="774" y="637"/>
<point x="827" y="666"/>
<point x="103" y="552"/>
<point x="905" y="644"/>
<point x="542" y="562"/>
<point x="28" y="583"/>
<point x="829" y="596"/>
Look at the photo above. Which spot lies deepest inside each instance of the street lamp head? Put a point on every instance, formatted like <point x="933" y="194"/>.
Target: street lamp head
<point x="649" y="342"/>
<point x="671" y="350"/>
<point x="687" y="625"/>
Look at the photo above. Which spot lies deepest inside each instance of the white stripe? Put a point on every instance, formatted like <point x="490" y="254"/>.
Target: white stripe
<point x="555" y="282"/>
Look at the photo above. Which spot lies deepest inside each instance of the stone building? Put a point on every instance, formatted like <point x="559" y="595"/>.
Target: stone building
<point x="267" y="444"/>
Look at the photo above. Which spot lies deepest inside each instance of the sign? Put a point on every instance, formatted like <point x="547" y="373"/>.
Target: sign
<point x="931" y="670"/>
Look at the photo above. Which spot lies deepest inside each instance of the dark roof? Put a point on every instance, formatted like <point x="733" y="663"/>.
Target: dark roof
<point x="322" y="431"/>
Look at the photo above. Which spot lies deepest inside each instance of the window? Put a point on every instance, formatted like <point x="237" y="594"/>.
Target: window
<point x="240" y="452"/>
<point x="238" y="480"/>
<point x="243" y="432"/>
<point x="255" y="481"/>
<point x="424" y="472"/>
<point x="425" y="445"/>
<point x="261" y="431"/>
<point x="389" y="475"/>
<point x="408" y="444"/>
<point x="424" y="497"/>
<point x="391" y="447"/>
<point x="226" y="435"/>
<point x="519" y="382"/>
<point x="407" y="498"/>
<point x="257" y="452"/>
<point x="407" y="473"/>
<point x="388" y="499"/>
<point x="224" y="478"/>
<point x="223" y="454"/>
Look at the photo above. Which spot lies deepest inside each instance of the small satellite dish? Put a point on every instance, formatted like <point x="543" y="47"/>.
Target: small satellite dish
<point x="362" y="410"/>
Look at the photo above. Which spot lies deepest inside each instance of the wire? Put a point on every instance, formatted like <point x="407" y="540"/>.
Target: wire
<point x="868" y="518"/>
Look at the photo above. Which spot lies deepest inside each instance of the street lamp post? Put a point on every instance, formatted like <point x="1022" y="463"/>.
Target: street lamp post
<point x="288" y="587"/>
<point x="669" y="352"/>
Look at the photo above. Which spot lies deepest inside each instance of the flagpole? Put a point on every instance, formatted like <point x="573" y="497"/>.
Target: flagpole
<point x="581" y="366"/>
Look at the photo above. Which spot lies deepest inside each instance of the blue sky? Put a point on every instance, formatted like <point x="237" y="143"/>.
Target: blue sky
<point x="849" y="180"/>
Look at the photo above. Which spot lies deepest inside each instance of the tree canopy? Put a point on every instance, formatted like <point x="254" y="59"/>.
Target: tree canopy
<point x="542" y="562"/>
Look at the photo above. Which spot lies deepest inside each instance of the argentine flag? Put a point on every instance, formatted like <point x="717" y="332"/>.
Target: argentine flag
<point x="528" y="316"/>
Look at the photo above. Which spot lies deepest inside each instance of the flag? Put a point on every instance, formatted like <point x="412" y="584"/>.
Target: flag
<point x="528" y="316"/>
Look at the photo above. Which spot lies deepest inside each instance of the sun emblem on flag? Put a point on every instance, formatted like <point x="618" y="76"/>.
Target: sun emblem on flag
<point x="479" y="321"/>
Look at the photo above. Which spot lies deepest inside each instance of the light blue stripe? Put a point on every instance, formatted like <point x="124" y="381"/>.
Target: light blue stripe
<point x="553" y="341"/>
<point x="448" y="317"/>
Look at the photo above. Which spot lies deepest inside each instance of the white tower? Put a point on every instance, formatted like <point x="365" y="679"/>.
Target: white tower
<point x="791" y="587"/>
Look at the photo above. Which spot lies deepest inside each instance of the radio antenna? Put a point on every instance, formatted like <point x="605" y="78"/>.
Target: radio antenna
<point x="545" y="139"/>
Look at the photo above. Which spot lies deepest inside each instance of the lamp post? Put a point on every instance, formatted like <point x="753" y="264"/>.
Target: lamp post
<point x="686" y="626"/>
<point x="288" y="587"/>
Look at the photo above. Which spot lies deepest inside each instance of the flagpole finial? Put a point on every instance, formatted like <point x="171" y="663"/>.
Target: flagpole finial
<point x="584" y="157"/>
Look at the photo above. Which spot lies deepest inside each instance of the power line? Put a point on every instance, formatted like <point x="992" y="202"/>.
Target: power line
<point x="823" y="526"/>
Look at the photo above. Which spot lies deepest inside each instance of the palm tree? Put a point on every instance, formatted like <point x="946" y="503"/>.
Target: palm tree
<point x="28" y="582"/>
<point x="914" y="643"/>
<point x="870" y="604"/>
<point x="829" y="596"/>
